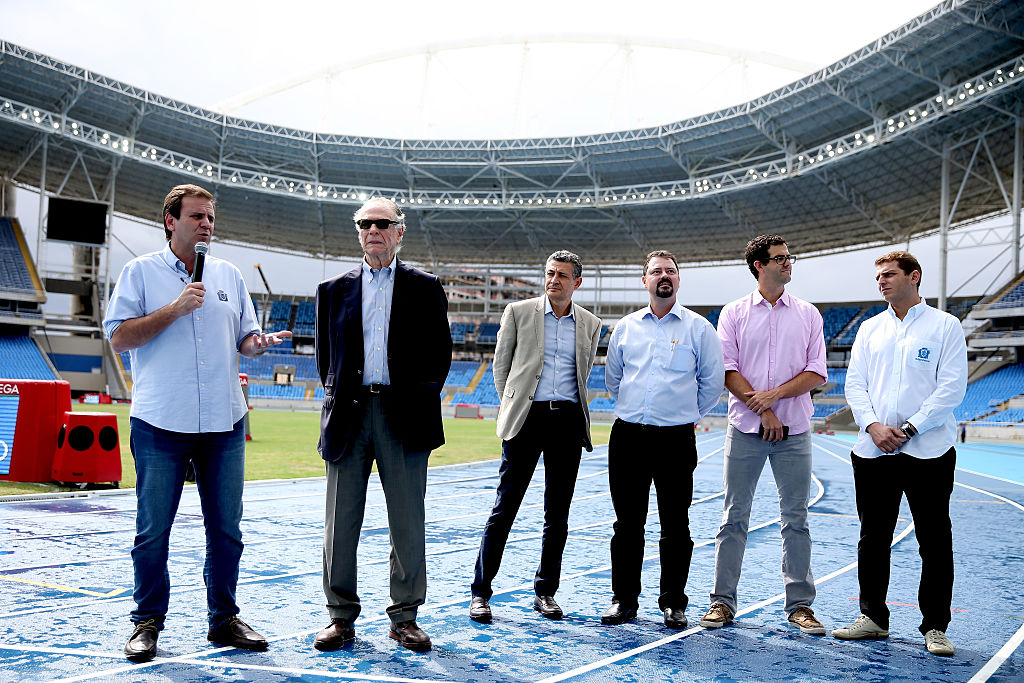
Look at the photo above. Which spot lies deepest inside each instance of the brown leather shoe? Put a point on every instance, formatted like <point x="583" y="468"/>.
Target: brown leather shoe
<point x="480" y="610"/>
<point x="548" y="608"/>
<point x="335" y="635"/>
<point x="410" y="635"/>
<point x="236" y="633"/>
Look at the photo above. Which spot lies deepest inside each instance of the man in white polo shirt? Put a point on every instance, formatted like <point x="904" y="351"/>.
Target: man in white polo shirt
<point x="908" y="371"/>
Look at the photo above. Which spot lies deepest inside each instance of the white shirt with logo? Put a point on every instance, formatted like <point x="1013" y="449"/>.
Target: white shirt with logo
<point x="912" y="369"/>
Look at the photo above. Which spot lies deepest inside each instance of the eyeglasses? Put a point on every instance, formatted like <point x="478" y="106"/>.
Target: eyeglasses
<point x="381" y="223"/>
<point x="782" y="258"/>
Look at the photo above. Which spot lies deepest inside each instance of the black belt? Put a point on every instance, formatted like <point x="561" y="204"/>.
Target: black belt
<point x="377" y="388"/>
<point x="555" y="405"/>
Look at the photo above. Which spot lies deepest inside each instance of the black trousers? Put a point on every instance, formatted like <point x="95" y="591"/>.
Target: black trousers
<point x="555" y="432"/>
<point x="881" y="483"/>
<point x="637" y="456"/>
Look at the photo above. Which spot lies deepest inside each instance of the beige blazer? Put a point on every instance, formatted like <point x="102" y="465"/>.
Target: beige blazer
<point x="519" y="359"/>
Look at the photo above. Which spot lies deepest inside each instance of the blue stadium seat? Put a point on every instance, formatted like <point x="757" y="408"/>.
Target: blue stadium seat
<point x="461" y="373"/>
<point x="22" y="359"/>
<point x="995" y="388"/>
<point x="14" y="272"/>
<point x="485" y="394"/>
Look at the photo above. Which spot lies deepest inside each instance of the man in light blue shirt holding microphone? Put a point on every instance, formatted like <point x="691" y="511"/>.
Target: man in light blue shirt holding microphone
<point x="187" y="405"/>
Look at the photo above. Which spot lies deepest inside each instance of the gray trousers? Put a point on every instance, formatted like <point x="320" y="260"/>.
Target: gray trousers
<point x="403" y="476"/>
<point x="745" y="455"/>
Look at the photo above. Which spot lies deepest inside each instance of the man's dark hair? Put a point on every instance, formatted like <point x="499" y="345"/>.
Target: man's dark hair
<point x="905" y="260"/>
<point x="172" y="203"/>
<point x="564" y="256"/>
<point x="757" y="250"/>
<point x="660" y="253"/>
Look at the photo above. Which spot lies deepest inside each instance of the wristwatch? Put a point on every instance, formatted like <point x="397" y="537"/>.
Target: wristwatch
<point x="908" y="429"/>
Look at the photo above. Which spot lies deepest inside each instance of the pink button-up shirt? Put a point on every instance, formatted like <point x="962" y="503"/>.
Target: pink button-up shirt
<point x="770" y="345"/>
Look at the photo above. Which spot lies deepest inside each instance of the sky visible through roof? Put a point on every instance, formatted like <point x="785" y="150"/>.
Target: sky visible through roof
<point x="389" y="69"/>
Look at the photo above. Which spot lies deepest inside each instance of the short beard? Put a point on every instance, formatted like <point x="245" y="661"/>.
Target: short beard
<point x="662" y="295"/>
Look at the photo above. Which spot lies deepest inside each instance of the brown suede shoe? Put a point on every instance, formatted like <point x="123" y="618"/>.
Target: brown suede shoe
<point x="410" y="635"/>
<point x="335" y="635"/>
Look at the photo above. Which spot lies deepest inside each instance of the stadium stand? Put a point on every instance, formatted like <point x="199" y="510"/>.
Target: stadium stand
<point x="291" y="392"/>
<point x="22" y="359"/>
<point x="823" y="410"/>
<point x="461" y="373"/>
<point x="459" y="331"/>
<point x="836" y="318"/>
<point x="262" y="367"/>
<point x="14" y="274"/>
<point x="596" y="380"/>
<point x="1014" y="298"/>
<point x="837" y="375"/>
<point x="989" y="392"/>
<point x="305" y="319"/>
<point x="712" y="316"/>
<point x="721" y="409"/>
<point x="484" y="394"/>
<point x="961" y="309"/>
<point x="1008" y="416"/>
<point x="604" y="403"/>
<point x="488" y="333"/>
<point x="850" y="333"/>
<point x="318" y="394"/>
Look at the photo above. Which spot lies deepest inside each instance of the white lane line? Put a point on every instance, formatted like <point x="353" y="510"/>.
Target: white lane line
<point x="310" y="672"/>
<point x="1004" y="653"/>
<point x="63" y="651"/>
<point x="990" y="476"/>
<point x="1014" y="642"/>
<point x="593" y="666"/>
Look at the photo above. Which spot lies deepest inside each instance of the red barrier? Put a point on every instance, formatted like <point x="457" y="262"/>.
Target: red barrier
<point x="88" y="450"/>
<point x="31" y="415"/>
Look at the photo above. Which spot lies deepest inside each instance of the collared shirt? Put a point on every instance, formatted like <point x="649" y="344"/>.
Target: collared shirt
<point x="378" y="290"/>
<point x="770" y="345"/>
<point x="912" y="369"/>
<point x="185" y="379"/>
<point x="558" y="375"/>
<point x="665" y="371"/>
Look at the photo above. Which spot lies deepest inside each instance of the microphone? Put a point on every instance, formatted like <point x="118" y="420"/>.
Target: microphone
<point x="197" y="271"/>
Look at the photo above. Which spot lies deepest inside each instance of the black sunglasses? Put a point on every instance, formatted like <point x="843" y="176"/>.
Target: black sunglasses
<point x="381" y="223"/>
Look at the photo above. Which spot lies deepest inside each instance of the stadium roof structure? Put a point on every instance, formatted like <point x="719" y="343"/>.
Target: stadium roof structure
<point x="852" y="155"/>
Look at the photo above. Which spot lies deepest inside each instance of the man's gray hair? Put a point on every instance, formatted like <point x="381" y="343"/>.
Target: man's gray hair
<point x="564" y="256"/>
<point x="390" y="203"/>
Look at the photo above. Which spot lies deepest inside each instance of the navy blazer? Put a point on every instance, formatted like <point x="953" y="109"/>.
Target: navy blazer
<point x="419" y="355"/>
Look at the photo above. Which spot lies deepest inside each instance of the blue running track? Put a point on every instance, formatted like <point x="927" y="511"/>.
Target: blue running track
<point x="66" y="577"/>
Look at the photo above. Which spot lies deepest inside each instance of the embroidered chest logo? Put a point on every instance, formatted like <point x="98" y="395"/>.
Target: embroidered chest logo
<point x="224" y="297"/>
<point x="923" y="353"/>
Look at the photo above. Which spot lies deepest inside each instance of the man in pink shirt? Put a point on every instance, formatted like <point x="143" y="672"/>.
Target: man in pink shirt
<point x="774" y="355"/>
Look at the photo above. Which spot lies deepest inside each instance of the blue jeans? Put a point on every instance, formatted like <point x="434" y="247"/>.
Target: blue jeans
<point x="161" y="457"/>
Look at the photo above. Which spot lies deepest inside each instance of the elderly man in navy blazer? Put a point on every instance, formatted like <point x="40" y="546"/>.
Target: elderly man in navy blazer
<point x="383" y="349"/>
<point x="546" y="348"/>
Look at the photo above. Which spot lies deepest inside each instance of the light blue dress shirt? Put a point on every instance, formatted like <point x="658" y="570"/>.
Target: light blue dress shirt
<point x="185" y="379"/>
<point x="558" y="375"/>
<point x="378" y="291"/>
<point x="666" y="371"/>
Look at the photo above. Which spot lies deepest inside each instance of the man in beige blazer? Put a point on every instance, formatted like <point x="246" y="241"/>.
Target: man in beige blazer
<point x="546" y="348"/>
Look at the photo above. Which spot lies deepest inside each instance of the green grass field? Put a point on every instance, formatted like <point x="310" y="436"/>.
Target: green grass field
<point x="284" y="446"/>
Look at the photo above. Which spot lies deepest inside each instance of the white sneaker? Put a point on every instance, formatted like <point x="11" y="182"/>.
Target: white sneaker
<point x="862" y="628"/>
<point x="938" y="644"/>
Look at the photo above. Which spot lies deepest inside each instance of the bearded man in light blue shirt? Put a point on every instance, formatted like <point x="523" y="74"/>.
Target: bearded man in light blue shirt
<point x="665" y="370"/>
<point x="187" y="405"/>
